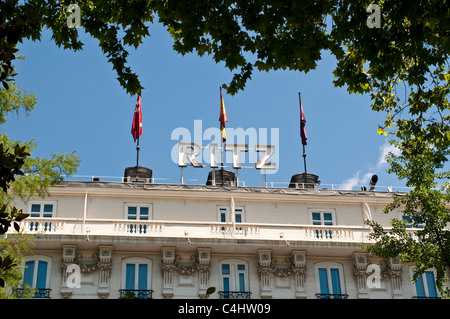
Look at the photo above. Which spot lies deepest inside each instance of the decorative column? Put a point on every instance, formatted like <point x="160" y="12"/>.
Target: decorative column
<point x="69" y="254"/>
<point x="265" y="261"/>
<point x="395" y="271"/>
<point x="105" y="265"/>
<point x="360" y="271"/>
<point x="204" y="260"/>
<point x="299" y="269"/>
<point x="168" y="266"/>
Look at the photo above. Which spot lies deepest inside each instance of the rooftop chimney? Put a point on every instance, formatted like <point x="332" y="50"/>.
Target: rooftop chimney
<point x="138" y="174"/>
<point x="229" y="178"/>
<point x="304" y="181"/>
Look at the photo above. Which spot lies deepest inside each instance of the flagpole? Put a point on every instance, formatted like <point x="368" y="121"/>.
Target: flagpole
<point x="136" y="130"/>
<point x="304" y="152"/>
<point x="137" y="158"/>
<point x="221" y="172"/>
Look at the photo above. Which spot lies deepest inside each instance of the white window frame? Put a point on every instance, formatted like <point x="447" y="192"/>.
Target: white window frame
<point x="36" y="259"/>
<point x="136" y="261"/>
<point x="425" y="282"/>
<point x="322" y="220"/>
<point x="409" y="223"/>
<point x="138" y="214"/>
<point x="240" y="210"/>
<point x="41" y="212"/>
<point x="234" y="275"/>
<point x="329" y="265"/>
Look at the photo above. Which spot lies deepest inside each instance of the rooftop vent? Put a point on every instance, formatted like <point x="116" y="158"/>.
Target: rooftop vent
<point x="373" y="182"/>
<point x="304" y="181"/>
<point x="229" y="178"/>
<point x="138" y="174"/>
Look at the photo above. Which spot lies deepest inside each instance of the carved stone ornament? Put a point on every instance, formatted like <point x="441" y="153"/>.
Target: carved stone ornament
<point x="88" y="268"/>
<point x="299" y="258"/>
<point x="186" y="266"/>
<point x="282" y="269"/>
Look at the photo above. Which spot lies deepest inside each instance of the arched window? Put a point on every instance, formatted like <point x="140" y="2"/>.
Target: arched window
<point x="234" y="283"/>
<point x="330" y="280"/>
<point x="425" y="286"/>
<point x="136" y="278"/>
<point x="37" y="270"/>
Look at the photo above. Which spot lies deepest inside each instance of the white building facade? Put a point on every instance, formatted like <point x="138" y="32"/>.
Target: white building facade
<point x="112" y="240"/>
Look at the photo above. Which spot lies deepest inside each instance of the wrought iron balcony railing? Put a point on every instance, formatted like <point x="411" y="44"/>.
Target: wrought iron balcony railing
<point x="39" y="293"/>
<point x="234" y="294"/>
<point x="136" y="293"/>
<point x="331" y="296"/>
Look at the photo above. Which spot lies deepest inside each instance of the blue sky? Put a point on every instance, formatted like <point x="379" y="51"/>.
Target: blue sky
<point x="82" y="107"/>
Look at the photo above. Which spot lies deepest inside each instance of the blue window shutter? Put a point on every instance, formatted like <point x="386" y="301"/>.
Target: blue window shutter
<point x="28" y="273"/>
<point x="226" y="284"/>
<point x="431" y="283"/>
<point x="241" y="282"/>
<point x="132" y="212"/>
<point x="143" y="213"/>
<point x="420" y="289"/>
<point x="323" y="281"/>
<point x="129" y="276"/>
<point x="143" y="271"/>
<point x="335" y="281"/>
<point x="48" y="208"/>
<point x="225" y="269"/>
<point x="41" y="280"/>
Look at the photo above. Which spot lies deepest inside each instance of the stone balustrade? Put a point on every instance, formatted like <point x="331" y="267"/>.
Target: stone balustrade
<point x="190" y="229"/>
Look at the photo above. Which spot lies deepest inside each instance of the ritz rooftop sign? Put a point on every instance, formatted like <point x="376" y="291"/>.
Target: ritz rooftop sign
<point x="263" y="156"/>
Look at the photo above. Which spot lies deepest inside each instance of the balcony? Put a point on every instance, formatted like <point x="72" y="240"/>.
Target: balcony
<point x="189" y="230"/>
<point x="135" y="294"/>
<point x="39" y="293"/>
<point x="331" y="296"/>
<point x="234" y="294"/>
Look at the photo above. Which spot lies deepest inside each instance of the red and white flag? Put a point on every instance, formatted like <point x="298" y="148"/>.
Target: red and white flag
<point x="136" y="127"/>
<point x="302" y="124"/>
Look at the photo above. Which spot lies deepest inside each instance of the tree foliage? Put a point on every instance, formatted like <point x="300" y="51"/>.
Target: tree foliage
<point x="22" y="176"/>
<point x="253" y="35"/>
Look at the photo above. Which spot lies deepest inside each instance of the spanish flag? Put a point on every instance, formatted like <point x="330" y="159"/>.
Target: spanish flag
<point x="222" y="118"/>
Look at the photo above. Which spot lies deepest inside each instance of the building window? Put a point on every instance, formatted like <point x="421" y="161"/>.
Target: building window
<point x="411" y="224"/>
<point x="136" y="278"/>
<point x="323" y="217"/>
<point x="425" y="286"/>
<point x="234" y="282"/>
<point x="42" y="209"/>
<point x="138" y="211"/>
<point x="329" y="281"/>
<point x="225" y="215"/>
<point x="36" y="275"/>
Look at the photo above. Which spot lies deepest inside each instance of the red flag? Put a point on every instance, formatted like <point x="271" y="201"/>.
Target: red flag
<point x="136" y="127"/>
<point x="222" y="118"/>
<point x="302" y="123"/>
